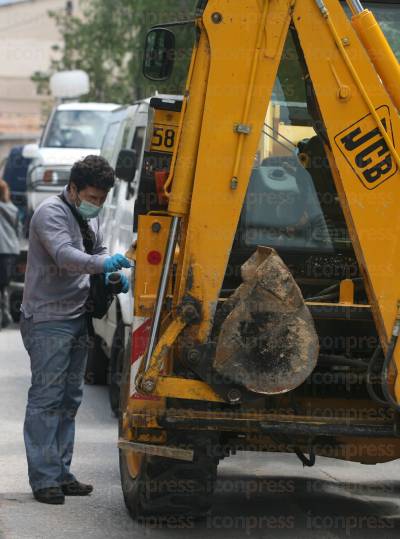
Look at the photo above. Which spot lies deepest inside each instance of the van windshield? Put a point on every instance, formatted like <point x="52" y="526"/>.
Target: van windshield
<point x="77" y="129"/>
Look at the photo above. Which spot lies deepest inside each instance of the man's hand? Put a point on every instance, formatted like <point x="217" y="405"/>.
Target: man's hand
<point x="115" y="263"/>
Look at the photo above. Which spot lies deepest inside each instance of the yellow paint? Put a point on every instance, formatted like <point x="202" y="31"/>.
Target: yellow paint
<point x="160" y="354"/>
<point x="147" y="276"/>
<point x="165" y="131"/>
<point x="182" y="388"/>
<point x="379" y="51"/>
<point x="346" y="292"/>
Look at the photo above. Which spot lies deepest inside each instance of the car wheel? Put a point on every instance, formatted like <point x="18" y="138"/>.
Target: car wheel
<point x="116" y="365"/>
<point x="97" y="363"/>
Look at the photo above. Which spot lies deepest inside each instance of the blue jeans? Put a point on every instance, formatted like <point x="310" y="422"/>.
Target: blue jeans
<point x="58" y="352"/>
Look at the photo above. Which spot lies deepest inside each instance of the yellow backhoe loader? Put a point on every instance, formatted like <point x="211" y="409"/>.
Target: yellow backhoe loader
<point x="266" y="286"/>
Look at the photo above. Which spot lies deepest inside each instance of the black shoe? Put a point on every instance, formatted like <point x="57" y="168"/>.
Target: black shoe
<point x="76" y="489"/>
<point x="52" y="495"/>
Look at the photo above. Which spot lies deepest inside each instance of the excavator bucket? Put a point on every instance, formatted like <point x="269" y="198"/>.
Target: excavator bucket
<point x="267" y="342"/>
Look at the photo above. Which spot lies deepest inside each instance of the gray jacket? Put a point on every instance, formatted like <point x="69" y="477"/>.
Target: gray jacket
<point x="9" y="242"/>
<point x="57" y="273"/>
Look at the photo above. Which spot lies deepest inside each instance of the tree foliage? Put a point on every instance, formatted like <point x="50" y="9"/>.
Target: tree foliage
<point x="107" y="42"/>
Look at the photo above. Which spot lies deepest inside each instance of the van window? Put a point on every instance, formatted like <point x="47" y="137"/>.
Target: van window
<point x="110" y="140"/>
<point x="77" y="129"/>
<point x="290" y="206"/>
<point x="138" y="140"/>
<point x="137" y="145"/>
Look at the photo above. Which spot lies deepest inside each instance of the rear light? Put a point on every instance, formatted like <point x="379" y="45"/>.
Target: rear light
<point x="161" y="176"/>
<point x="154" y="258"/>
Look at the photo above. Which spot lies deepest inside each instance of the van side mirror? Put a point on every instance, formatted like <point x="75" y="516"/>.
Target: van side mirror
<point x="159" y="54"/>
<point x="30" y="151"/>
<point x="127" y="163"/>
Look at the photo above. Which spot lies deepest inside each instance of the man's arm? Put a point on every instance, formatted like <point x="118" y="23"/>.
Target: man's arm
<point x="51" y="225"/>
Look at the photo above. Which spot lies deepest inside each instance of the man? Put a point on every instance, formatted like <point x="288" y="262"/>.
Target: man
<point x="54" y="324"/>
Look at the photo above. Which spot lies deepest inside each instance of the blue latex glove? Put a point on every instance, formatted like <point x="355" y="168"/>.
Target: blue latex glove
<point x="124" y="281"/>
<point x="115" y="263"/>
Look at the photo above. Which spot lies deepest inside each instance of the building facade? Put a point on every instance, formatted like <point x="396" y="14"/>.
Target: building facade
<point x="27" y="35"/>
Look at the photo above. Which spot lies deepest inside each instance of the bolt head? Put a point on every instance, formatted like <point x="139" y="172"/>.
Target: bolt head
<point x="344" y="93"/>
<point x="189" y="313"/>
<point x="148" y="386"/>
<point x="234" y="184"/>
<point x="194" y="355"/>
<point x="234" y="396"/>
<point x="156" y="227"/>
<point x="216" y="17"/>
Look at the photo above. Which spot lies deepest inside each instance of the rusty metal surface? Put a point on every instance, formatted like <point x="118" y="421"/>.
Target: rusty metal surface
<point x="157" y="450"/>
<point x="255" y="417"/>
<point x="268" y="341"/>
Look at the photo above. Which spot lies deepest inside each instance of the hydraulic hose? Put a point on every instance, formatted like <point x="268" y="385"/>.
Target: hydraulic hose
<point x="384" y="379"/>
<point x="332" y="291"/>
<point x="341" y="361"/>
<point x="385" y="369"/>
<point x="370" y="386"/>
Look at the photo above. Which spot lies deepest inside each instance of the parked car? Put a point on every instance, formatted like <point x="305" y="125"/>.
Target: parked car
<point x="126" y="131"/>
<point x="73" y="131"/>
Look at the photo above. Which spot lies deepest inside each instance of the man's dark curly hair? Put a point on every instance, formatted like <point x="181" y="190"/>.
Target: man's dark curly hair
<point x="93" y="171"/>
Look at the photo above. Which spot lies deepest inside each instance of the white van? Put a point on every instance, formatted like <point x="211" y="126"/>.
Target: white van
<point x="73" y="131"/>
<point x="126" y="131"/>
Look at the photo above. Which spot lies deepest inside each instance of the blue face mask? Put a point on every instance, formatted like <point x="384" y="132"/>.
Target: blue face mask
<point x="88" y="210"/>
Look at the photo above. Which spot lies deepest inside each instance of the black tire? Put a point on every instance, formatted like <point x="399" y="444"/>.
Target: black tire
<point x="97" y="363"/>
<point x="116" y="366"/>
<point x="166" y="488"/>
<point x="163" y="488"/>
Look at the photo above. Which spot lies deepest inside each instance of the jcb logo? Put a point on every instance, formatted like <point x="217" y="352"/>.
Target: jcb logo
<point x="366" y="151"/>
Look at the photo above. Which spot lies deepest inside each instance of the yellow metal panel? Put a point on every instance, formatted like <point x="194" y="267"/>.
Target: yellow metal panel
<point x="191" y="126"/>
<point x="165" y="129"/>
<point x="182" y="388"/>
<point x="153" y="233"/>
<point x="146" y="279"/>
<point x="217" y="201"/>
<point x="160" y="355"/>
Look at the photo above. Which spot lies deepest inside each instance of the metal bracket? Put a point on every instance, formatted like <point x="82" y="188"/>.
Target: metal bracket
<point x="157" y="450"/>
<point x="189" y="310"/>
<point x="198" y="360"/>
<point x="242" y="129"/>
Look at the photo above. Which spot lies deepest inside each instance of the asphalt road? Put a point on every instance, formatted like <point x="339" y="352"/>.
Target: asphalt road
<point x="257" y="496"/>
